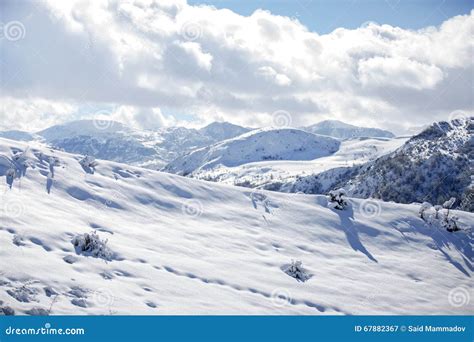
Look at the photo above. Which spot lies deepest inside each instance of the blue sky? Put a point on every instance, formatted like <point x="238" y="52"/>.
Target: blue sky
<point x="323" y="16"/>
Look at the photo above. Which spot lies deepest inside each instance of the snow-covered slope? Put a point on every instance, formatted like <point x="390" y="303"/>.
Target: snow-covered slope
<point x="257" y="145"/>
<point x="172" y="142"/>
<point x="431" y="166"/>
<point x="273" y="174"/>
<point x="181" y="246"/>
<point x="341" y="130"/>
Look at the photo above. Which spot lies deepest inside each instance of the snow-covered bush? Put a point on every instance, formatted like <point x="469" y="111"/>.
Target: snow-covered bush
<point x="6" y="310"/>
<point x="91" y="244"/>
<point x="425" y="206"/>
<point x="88" y="162"/>
<point x="449" y="204"/>
<point x="337" y="199"/>
<point x="296" y="270"/>
<point x="447" y="221"/>
<point x="451" y="223"/>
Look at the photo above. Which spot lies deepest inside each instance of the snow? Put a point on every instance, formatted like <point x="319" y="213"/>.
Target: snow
<point x="82" y="127"/>
<point x="115" y="141"/>
<point x="257" y="145"/>
<point x="222" y="130"/>
<point x="18" y="135"/>
<point x="184" y="246"/>
<point x="257" y="174"/>
<point x="341" y="130"/>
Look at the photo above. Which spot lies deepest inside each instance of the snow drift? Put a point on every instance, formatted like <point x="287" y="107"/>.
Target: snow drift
<point x="117" y="239"/>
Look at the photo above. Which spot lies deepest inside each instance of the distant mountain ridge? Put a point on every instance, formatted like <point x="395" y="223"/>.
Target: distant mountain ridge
<point x="341" y="130"/>
<point x="153" y="149"/>
<point x="111" y="140"/>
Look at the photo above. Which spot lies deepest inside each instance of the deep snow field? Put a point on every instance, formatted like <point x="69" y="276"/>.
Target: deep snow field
<point x="184" y="246"/>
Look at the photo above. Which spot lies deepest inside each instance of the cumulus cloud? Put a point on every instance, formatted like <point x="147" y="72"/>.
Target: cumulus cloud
<point x="152" y="57"/>
<point x="398" y="72"/>
<point x="32" y="114"/>
<point x="142" y="118"/>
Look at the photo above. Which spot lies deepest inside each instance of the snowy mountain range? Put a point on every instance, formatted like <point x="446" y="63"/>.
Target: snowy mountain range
<point x="431" y="166"/>
<point x="153" y="149"/>
<point x="86" y="236"/>
<point x="114" y="141"/>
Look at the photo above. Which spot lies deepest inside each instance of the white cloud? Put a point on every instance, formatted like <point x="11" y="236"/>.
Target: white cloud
<point x="162" y="54"/>
<point x="142" y="118"/>
<point x="270" y="74"/>
<point x="32" y="114"/>
<point x="398" y="72"/>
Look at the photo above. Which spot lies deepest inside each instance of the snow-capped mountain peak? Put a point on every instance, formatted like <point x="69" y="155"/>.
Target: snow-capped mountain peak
<point x="223" y="130"/>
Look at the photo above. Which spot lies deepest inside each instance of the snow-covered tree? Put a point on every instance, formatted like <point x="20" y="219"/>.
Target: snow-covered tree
<point x="450" y="222"/>
<point x="437" y="208"/>
<point x="425" y="206"/>
<point x="449" y="204"/>
<point x="337" y="198"/>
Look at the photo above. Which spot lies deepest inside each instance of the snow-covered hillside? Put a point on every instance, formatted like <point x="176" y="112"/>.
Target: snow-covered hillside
<point x="181" y="246"/>
<point x="433" y="166"/>
<point x="341" y="130"/>
<point x="257" y="145"/>
<point x="272" y="175"/>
